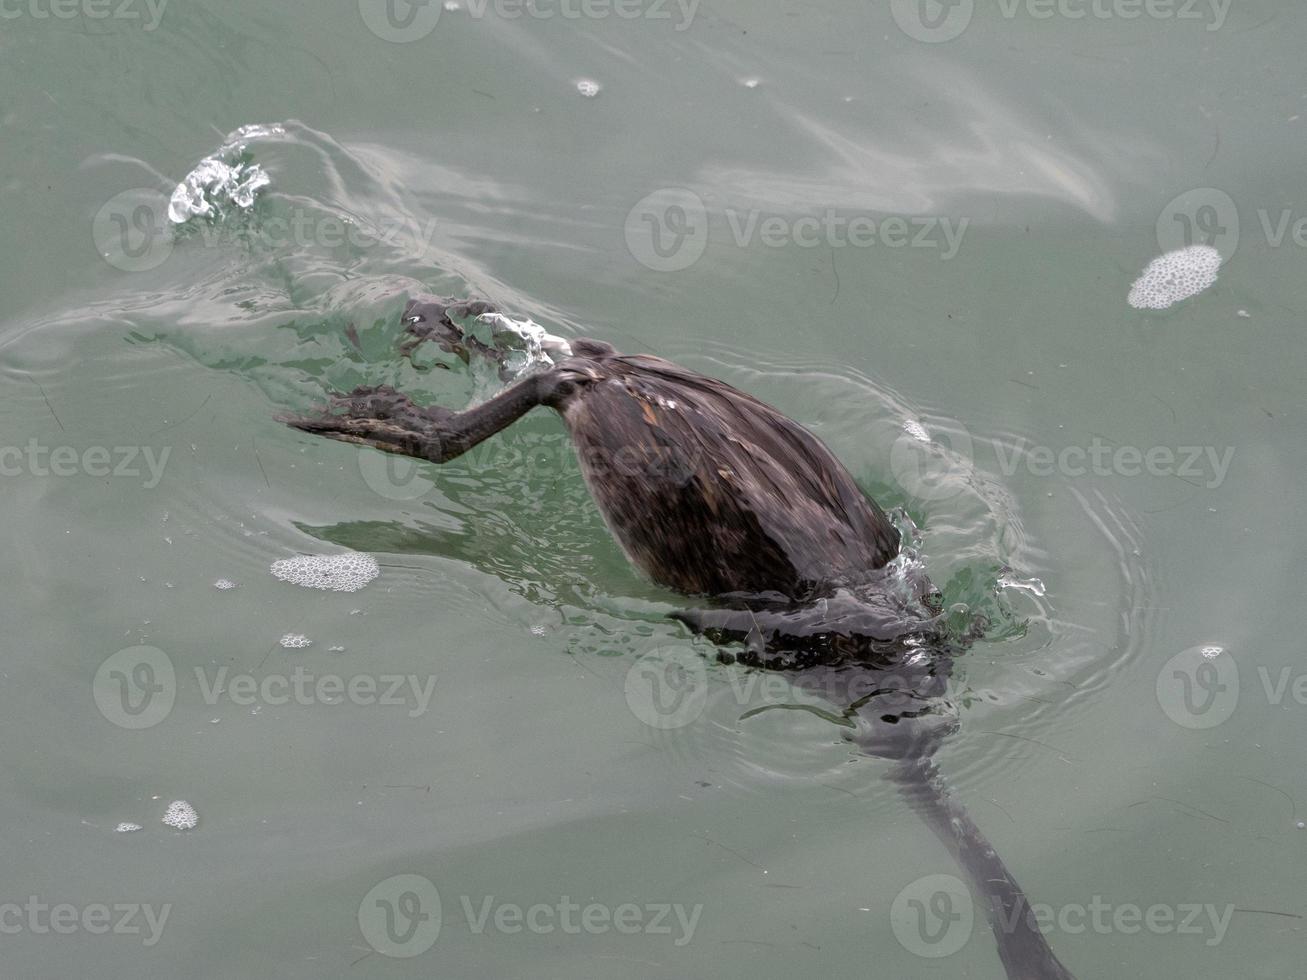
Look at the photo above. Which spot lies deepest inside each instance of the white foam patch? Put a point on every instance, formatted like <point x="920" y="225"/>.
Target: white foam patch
<point x="181" y="816"/>
<point x="331" y="573"/>
<point x="588" y="87"/>
<point x="296" y="641"/>
<point x="1175" y="276"/>
<point x="224" y="584"/>
<point x="127" y="828"/>
<point x="221" y="178"/>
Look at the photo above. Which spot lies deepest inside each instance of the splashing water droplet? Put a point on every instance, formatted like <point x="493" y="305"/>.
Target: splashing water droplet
<point x="220" y="178"/>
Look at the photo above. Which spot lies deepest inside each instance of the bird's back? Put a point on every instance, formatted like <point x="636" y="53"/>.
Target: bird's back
<point x="712" y="492"/>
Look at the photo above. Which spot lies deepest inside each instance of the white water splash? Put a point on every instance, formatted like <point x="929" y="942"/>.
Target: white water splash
<point x="1032" y="585"/>
<point x="915" y="429"/>
<point x="542" y="347"/>
<point x="221" y="178"/>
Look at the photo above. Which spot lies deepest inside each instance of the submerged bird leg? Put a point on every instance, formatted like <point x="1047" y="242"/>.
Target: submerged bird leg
<point x="387" y="420"/>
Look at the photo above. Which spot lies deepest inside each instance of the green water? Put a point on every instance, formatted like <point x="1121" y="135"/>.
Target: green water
<point x="861" y="227"/>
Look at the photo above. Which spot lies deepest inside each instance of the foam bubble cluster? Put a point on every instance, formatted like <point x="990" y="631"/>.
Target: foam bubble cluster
<point x="224" y="584"/>
<point x="127" y="828"/>
<point x="296" y="641"/>
<point x="331" y="573"/>
<point x="181" y="816"/>
<point x="1175" y="276"/>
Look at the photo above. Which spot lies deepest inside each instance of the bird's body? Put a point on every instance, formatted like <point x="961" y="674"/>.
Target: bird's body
<point x="722" y="498"/>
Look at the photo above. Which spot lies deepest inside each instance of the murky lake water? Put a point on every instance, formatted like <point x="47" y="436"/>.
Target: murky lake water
<point x="912" y="227"/>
